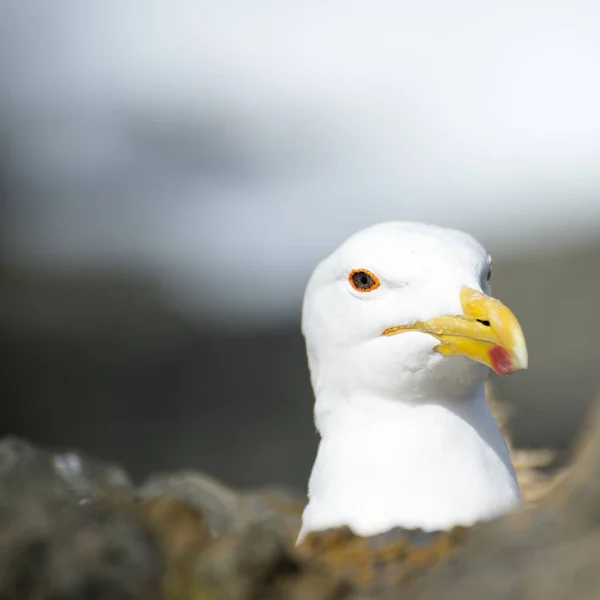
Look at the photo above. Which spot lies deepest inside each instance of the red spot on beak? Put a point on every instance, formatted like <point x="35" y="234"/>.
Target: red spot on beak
<point x="501" y="361"/>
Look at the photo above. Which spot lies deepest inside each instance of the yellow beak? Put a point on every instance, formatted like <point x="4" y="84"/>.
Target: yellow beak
<point x="488" y="333"/>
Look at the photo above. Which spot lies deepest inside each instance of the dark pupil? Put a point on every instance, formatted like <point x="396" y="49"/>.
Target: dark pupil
<point x="363" y="281"/>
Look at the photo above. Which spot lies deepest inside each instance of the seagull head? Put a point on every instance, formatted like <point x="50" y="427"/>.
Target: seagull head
<point x="405" y="309"/>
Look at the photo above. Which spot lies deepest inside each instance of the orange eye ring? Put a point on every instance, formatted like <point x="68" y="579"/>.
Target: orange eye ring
<point x="363" y="280"/>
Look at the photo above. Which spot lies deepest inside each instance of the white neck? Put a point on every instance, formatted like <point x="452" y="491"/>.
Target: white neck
<point x="424" y="464"/>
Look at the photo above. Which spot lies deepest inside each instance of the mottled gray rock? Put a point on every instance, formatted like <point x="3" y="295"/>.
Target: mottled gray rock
<point x="67" y="531"/>
<point x="218" y="503"/>
<point x="69" y="475"/>
<point x="227" y="510"/>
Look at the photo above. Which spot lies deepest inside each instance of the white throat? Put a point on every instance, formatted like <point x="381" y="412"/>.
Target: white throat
<point x="429" y="464"/>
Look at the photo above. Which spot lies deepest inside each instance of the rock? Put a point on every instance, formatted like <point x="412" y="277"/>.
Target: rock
<point x="372" y="565"/>
<point x="68" y="531"/>
<point x="225" y="510"/>
<point x="577" y="496"/>
<point x="269" y="506"/>
<point x="71" y="476"/>
<point x="260" y="563"/>
<point x="218" y="503"/>
<point x="184" y="536"/>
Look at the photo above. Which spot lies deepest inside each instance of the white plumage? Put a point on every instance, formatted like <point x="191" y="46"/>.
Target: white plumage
<point x="407" y="438"/>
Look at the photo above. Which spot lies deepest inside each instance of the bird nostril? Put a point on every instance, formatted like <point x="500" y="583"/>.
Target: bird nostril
<point x="486" y="323"/>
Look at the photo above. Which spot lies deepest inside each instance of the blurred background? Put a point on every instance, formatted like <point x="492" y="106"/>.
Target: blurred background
<point x="172" y="170"/>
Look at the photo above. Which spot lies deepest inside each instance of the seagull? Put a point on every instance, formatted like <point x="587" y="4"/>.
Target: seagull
<point x="401" y="332"/>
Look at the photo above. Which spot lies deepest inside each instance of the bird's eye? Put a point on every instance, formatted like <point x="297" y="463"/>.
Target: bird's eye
<point x="363" y="281"/>
<point x="488" y="275"/>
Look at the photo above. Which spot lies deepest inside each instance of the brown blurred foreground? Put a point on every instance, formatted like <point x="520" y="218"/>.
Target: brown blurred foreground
<point x="73" y="527"/>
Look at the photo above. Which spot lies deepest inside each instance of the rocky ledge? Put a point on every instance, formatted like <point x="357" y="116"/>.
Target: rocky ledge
<point x="72" y="527"/>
